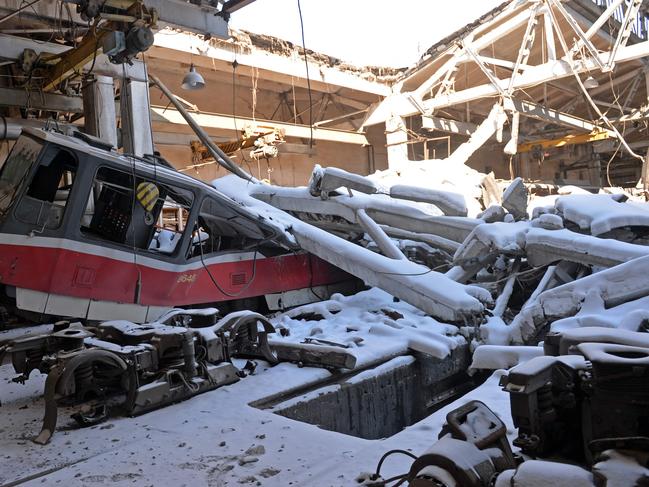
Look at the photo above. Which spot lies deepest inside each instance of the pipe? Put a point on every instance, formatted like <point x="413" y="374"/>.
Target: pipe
<point x="221" y="157"/>
<point x="10" y="128"/>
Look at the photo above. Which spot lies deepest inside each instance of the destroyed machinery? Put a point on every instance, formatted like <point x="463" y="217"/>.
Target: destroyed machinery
<point x="119" y="366"/>
<point x="584" y="403"/>
<point x="91" y="234"/>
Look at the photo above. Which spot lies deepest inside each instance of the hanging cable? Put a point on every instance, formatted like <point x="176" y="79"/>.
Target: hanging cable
<point x="308" y="79"/>
<point x="216" y="284"/>
<point x="126" y="112"/>
<point x="571" y="63"/>
<point x="17" y="11"/>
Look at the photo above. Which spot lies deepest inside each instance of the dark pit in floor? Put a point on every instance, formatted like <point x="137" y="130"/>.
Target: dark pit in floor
<point x="380" y="401"/>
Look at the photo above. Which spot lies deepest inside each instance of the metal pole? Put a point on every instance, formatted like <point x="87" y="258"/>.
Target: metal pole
<point x="220" y="156"/>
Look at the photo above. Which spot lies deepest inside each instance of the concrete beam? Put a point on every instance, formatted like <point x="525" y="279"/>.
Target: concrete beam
<point x="227" y="122"/>
<point x="194" y="18"/>
<point x="99" y="109"/>
<point x="448" y="126"/>
<point x="190" y="17"/>
<point x="40" y="101"/>
<point x="137" y="136"/>
<point x="267" y="66"/>
<point x="11" y="47"/>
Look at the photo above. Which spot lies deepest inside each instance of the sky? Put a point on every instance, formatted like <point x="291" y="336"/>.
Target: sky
<point x="363" y="32"/>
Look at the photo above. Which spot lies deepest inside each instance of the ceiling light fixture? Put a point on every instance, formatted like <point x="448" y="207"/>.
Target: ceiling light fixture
<point x="193" y="80"/>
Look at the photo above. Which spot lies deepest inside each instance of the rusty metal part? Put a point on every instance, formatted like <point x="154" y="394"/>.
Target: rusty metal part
<point x="133" y="368"/>
<point x="472" y="449"/>
<point x="577" y="406"/>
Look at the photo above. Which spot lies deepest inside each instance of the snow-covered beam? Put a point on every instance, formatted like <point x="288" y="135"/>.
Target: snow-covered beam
<point x="395" y="214"/>
<point x="611" y="287"/>
<point x="447" y="125"/>
<point x="430" y="291"/>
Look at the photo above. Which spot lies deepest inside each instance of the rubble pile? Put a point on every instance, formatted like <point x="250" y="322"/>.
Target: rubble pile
<point x="508" y="276"/>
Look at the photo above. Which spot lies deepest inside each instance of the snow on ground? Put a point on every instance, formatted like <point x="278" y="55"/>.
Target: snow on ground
<point x="207" y="440"/>
<point x="216" y="438"/>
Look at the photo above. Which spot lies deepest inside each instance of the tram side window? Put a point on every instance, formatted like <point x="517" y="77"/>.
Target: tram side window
<point x="132" y="213"/>
<point x="16" y="169"/>
<point x="46" y="198"/>
<point x="219" y="228"/>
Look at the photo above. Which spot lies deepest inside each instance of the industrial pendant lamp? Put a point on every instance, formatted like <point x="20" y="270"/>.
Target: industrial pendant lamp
<point x="591" y="83"/>
<point x="193" y="80"/>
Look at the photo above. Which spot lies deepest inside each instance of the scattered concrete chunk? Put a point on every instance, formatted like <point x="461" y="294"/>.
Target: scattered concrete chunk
<point x="515" y="199"/>
<point x="495" y="213"/>
<point x="548" y="222"/>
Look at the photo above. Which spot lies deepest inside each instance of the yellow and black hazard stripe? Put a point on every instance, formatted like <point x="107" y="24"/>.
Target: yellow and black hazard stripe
<point x="147" y="195"/>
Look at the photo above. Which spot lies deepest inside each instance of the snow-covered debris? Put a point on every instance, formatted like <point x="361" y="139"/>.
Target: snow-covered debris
<point x="494" y="357"/>
<point x="614" y="286"/>
<point x="371" y="325"/>
<point x="632" y="315"/>
<point x="430" y="291"/>
<point x="599" y="214"/>
<point x="538" y="473"/>
<point x="479" y="190"/>
<point x="548" y="221"/>
<point x="495" y="213"/>
<point x="515" y="199"/>
<point x="452" y="204"/>
<point x="598" y="334"/>
<point x="622" y="468"/>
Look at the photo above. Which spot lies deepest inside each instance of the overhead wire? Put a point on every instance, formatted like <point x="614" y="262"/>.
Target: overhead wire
<point x="18" y="11"/>
<point x="590" y="100"/>
<point x="308" y="78"/>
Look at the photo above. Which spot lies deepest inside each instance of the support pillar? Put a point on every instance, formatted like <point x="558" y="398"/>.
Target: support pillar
<point x="396" y="138"/>
<point x="99" y="109"/>
<point x="644" y="177"/>
<point x="137" y="138"/>
<point x="595" y="171"/>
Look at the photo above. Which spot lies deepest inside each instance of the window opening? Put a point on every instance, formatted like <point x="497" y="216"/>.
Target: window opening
<point x="134" y="214"/>
<point x="47" y="196"/>
<point x="16" y="169"/>
<point x="219" y="228"/>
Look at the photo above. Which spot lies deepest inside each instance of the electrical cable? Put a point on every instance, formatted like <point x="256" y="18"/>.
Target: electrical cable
<point x="392" y="452"/>
<point x="216" y="284"/>
<point x="124" y="94"/>
<point x="385" y="456"/>
<point x="17" y="11"/>
<point x="308" y="79"/>
<point x="605" y="119"/>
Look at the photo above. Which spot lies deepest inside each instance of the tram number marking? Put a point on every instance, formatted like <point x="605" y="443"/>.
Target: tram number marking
<point x="185" y="278"/>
